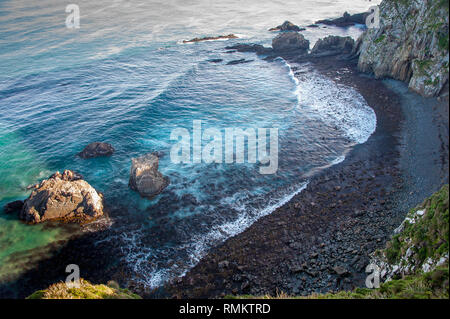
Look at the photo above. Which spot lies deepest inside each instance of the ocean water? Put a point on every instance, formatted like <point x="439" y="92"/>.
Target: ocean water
<point x="126" y="78"/>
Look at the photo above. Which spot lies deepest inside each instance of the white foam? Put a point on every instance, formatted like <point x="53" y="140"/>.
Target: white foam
<point x="337" y="104"/>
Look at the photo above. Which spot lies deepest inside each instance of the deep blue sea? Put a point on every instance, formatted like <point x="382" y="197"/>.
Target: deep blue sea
<point x="125" y="77"/>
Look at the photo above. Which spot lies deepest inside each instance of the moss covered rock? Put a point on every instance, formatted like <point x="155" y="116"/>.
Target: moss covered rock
<point x="85" y="291"/>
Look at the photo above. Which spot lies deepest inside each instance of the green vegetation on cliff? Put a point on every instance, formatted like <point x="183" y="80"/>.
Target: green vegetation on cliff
<point x="86" y="291"/>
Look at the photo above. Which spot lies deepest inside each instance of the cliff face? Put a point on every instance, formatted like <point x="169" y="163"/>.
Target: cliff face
<point x="411" y="44"/>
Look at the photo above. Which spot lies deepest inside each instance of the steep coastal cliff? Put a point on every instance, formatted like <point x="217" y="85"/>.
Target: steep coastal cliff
<point x="411" y="44"/>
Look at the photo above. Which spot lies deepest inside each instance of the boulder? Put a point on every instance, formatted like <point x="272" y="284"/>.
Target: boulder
<point x="97" y="149"/>
<point x="287" y="26"/>
<point x="145" y="177"/>
<point x="290" y="41"/>
<point x="65" y="197"/>
<point x="333" y="45"/>
<point x="12" y="207"/>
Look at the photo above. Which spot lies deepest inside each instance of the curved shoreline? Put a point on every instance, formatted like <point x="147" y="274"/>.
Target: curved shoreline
<point x="321" y="239"/>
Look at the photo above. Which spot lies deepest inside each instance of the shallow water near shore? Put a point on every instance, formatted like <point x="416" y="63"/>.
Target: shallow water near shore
<point x="131" y="86"/>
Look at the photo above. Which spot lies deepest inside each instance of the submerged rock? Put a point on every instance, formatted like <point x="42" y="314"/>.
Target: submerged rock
<point x="287" y="26"/>
<point x="145" y="177"/>
<point x="13" y="207"/>
<point x="290" y="41"/>
<point x="66" y="197"/>
<point x="240" y="61"/>
<point x="97" y="149"/>
<point x="333" y="45"/>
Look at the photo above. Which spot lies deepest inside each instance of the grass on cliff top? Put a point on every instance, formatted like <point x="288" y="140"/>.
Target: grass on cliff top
<point x="86" y="291"/>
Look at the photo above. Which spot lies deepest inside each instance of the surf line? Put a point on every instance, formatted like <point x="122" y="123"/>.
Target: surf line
<point x="232" y="140"/>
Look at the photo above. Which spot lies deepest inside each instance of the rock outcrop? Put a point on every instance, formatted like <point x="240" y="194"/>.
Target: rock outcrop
<point x="65" y="197"/>
<point x="220" y="37"/>
<point x="346" y="20"/>
<point x="97" y="149"/>
<point x="290" y="41"/>
<point x="333" y="45"/>
<point x="287" y="26"/>
<point x="145" y="177"/>
<point x="411" y="45"/>
<point x="245" y="47"/>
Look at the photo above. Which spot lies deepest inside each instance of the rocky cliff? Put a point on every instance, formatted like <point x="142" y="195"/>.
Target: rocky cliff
<point x="410" y="45"/>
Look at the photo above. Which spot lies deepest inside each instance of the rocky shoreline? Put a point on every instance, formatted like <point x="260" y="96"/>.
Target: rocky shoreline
<point x="322" y="239"/>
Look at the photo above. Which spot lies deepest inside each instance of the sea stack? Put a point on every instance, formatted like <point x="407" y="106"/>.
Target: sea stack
<point x="145" y="177"/>
<point x="65" y="197"/>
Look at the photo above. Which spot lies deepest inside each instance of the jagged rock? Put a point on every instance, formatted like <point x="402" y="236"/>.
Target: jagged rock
<point x="290" y="41"/>
<point x="346" y="20"/>
<point x="13" y="207"/>
<point x="97" y="149"/>
<point x="287" y="26"/>
<point x="411" y="45"/>
<point x="229" y="36"/>
<point x="64" y="197"/>
<point x="145" y="177"/>
<point x="333" y="45"/>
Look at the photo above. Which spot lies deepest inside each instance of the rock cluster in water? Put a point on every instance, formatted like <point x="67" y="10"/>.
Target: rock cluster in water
<point x="287" y="26"/>
<point x="65" y="197"/>
<point x="145" y="177"/>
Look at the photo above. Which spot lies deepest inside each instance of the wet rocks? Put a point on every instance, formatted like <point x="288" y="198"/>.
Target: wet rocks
<point x="289" y="42"/>
<point x="97" y="149"/>
<point x="145" y="177"/>
<point x="346" y="20"/>
<point x="333" y="45"/>
<point x="12" y="207"/>
<point x="244" y="47"/>
<point x="65" y="197"/>
<point x="229" y="36"/>
<point x="287" y="26"/>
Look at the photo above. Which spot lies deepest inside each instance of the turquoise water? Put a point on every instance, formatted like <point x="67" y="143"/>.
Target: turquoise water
<point x="126" y="78"/>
